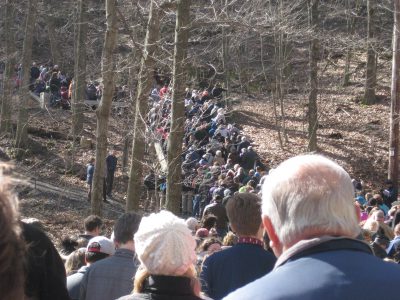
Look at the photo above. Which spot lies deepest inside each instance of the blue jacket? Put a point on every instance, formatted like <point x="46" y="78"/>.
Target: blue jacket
<point x="227" y="270"/>
<point x="74" y="283"/>
<point x="89" y="173"/>
<point x="339" y="269"/>
<point x="394" y="244"/>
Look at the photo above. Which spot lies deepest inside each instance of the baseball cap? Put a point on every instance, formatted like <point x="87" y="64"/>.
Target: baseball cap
<point x="101" y="244"/>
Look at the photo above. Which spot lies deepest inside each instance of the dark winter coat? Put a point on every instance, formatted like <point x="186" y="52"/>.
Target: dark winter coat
<point x="149" y="182"/>
<point x="55" y="85"/>
<point x="227" y="270"/>
<point x="111" y="162"/>
<point x="35" y="72"/>
<point x="159" y="287"/>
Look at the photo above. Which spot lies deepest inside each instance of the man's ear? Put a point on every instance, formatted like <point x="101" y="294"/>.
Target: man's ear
<point x="274" y="243"/>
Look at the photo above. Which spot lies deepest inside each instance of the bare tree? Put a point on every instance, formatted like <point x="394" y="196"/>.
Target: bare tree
<point x="174" y="153"/>
<point x="51" y="26"/>
<point x="313" y="61"/>
<point x="144" y="87"/>
<point x="395" y="101"/>
<point x="103" y="111"/>
<point x="370" y="75"/>
<point x="350" y="28"/>
<point x="5" y="124"/>
<point x="79" y="86"/>
<point x="21" y="139"/>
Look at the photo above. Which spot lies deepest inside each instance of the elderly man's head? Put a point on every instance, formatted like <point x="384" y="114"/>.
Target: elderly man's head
<point x="305" y="197"/>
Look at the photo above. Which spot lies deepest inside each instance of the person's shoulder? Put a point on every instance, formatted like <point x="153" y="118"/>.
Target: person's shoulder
<point x="102" y="263"/>
<point x="135" y="297"/>
<point x="258" y="289"/>
<point x="248" y="252"/>
<point x="208" y="206"/>
<point x="220" y="256"/>
<point x="75" y="279"/>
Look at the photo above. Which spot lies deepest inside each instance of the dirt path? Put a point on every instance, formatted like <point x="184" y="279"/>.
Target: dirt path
<point x="61" y="209"/>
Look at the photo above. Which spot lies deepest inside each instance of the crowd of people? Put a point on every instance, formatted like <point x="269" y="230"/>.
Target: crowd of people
<point x="217" y="159"/>
<point x="300" y="237"/>
<point x="49" y="78"/>
<point x="304" y="230"/>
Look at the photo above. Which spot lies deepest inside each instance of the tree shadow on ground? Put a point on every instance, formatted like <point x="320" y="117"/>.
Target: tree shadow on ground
<point x="252" y="119"/>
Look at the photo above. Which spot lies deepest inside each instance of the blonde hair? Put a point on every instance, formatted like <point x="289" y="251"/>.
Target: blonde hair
<point x="371" y="225"/>
<point x="230" y="239"/>
<point x="75" y="261"/>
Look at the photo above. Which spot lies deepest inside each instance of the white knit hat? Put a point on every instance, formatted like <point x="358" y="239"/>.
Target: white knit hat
<point x="164" y="244"/>
<point x="191" y="223"/>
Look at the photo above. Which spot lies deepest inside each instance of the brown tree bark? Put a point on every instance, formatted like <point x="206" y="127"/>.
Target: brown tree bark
<point x="21" y="139"/>
<point x="5" y="123"/>
<point x="313" y="62"/>
<point x="370" y="76"/>
<point x="104" y="109"/>
<point x="78" y="97"/>
<point x="54" y="43"/>
<point x="174" y="153"/>
<point x="144" y="87"/>
<point x="393" y="172"/>
<point x="350" y="28"/>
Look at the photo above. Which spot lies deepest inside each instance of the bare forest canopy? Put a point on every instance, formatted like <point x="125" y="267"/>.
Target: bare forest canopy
<point x="252" y="30"/>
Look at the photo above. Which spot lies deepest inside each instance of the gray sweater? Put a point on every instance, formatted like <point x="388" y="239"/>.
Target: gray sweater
<point x="110" y="278"/>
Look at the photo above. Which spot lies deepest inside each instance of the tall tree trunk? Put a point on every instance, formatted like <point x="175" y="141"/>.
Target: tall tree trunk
<point x="346" y="76"/>
<point x="144" y="87"/>
<point x="277" y="125"/>
<point x="21" y="139"/>
<point x="312" y="98"/>
<point x="133" y="71"/>
<point x="395" y="101"/>
<point x="174" y="152"/>
<point x="78" y="97"/>
<point x="370" y="77"/>
<point x="104" y="109"/>
<point x="54" y="44"/>
<point x="5" y="124"/>
<point x="282" y="82"/>
<point x="226" y="67"/>
<point x="349" y="18"/>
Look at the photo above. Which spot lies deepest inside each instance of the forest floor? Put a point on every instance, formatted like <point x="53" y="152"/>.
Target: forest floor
<point x="354" y="135"/>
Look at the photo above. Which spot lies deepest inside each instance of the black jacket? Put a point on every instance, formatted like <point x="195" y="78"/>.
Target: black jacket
<point x="149" y="182"/>
<point x="111" y="162"/>
<point x="159" y="287"/>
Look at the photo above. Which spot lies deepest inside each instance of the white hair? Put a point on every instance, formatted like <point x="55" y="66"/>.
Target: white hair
<point x="308" y="195"/>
